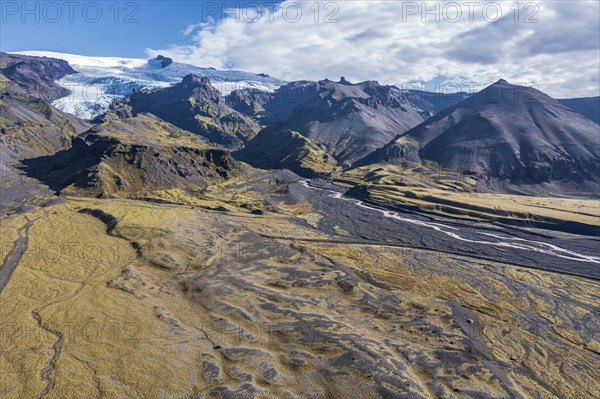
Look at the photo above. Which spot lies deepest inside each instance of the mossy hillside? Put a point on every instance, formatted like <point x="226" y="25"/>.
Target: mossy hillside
<point x="30" y="127"/>
<point x="132" y="157"/>
<point x="431" y="189"/>
<point x="286" y="149"/>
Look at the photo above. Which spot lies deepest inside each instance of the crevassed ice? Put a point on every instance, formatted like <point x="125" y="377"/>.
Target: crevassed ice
<point x="102" y="80"/>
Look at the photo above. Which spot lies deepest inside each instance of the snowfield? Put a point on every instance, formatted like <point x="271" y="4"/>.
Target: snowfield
<point x="102" y="80"/>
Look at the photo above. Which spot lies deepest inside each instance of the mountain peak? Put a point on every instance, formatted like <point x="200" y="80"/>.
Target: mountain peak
<point x="160" y="62"/>
<point x="195" y="80"/>
<point x="196" y="106"/>
<point x="500" y="85"/>
<point x="513" y="135"/>
<point x="164" y="61"/>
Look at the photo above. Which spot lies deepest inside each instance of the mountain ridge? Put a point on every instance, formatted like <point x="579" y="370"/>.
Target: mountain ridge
<point x="198" y="107"/>
<point x="350" y="120"/>
<point x="35" y="76"/>
<point x="508" y="133"/>
<point x="133" y="156"/>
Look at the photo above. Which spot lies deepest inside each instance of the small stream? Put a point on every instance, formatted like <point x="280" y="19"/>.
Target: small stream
<point x="12" y="260"/>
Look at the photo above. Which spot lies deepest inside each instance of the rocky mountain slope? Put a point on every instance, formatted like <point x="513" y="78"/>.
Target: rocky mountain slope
<point x="35" y="76"/>
<point x="251" y="102"/>
<point x="508" y="137"/>
<point x="29" y="127"/>
<point x="350" y="120"/>
<point x="275" y="148"/>
<point x="586" y="106"/>
<point x="133" y="156"/>
<point x="257" y="103"/>
<point x="197" y="106"/>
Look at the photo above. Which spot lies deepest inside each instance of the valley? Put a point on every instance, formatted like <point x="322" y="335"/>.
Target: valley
<point x="148" y="300"/>
<point x="565" y="253"/>
<point x="356" y="241"/>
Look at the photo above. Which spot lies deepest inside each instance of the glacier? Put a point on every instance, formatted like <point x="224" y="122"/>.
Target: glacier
<point x="102" y="80"/>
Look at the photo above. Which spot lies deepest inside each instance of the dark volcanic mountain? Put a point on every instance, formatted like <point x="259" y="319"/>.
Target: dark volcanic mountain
<point x="195" y="105"/>
<point x="350" y="120"/>
<point x="250" y="102"/>
<point x="130" y="156"/>
<point x="433" y="102"/>
<point x="35" y="76"/>
<point x="586" y="106"/>
<point x="505" y="135"/>
<point x="29" y="128"/>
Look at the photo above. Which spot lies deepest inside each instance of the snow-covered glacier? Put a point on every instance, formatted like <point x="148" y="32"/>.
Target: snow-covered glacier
<point x="102" y="80"/>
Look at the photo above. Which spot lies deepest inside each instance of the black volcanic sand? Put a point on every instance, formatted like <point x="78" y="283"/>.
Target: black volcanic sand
<point x="367" y="225"/>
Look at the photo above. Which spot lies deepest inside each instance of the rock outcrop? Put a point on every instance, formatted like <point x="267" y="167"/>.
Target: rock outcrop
<point x="35" y="76"/>
<point x="131" y="156"/>
<point x="196" y="106"/>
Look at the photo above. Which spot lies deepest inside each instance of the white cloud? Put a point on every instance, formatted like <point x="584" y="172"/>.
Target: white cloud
<point x="210" y="23"/>
<point x="398" y="41"/>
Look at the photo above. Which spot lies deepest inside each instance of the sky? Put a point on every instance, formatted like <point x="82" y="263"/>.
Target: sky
<point x="447" y="45"/>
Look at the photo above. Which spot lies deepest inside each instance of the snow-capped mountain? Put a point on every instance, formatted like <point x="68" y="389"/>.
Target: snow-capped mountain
<point x="102" y="80"/>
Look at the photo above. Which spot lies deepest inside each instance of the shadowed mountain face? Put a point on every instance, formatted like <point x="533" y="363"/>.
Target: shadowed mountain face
<point x="132" y="156"/>
<point x="587" y="106"/>
<point x="29" y="127"/>
<point x="275" y="148"/>
<point x="195" y="105"/>
<point x="27" y="120"/>
<point x="433" y="102"/>
<point x="35" y="76"/>
<point x="350" y="120"/>
<point x="505" y="134"/>
<point x="251" y="102"/>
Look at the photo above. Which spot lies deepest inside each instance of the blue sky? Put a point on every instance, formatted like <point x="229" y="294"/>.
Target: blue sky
<point x="125" y="33"/>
